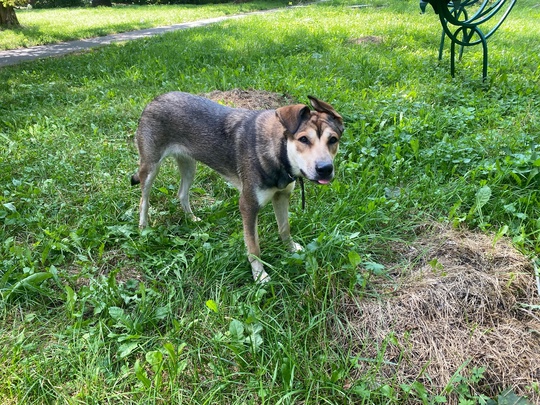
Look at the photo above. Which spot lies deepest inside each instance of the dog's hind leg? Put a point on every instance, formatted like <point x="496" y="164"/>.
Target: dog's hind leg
<point x="147" y="174"/>
<point x="187" y="167"/>
<point x="280" y="202"/>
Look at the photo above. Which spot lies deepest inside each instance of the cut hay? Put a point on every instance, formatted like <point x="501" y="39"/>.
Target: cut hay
<point x="250" y="99"/>
<point x="458" y="302"/>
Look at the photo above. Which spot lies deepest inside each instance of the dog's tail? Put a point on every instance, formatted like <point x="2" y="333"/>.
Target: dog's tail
<point x="135" y="179"/>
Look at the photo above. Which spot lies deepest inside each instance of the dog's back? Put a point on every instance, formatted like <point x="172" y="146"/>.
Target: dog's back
<point x="182" y="123"/>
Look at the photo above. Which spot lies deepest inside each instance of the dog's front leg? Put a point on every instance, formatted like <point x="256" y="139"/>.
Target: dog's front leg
<point x="280" y="202"/>
<point x="249" y="208"/>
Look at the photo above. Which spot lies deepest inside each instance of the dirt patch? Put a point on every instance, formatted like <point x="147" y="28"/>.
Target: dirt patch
<point x="369" y="39"/>
<point x="250" y="99"/>
<point x="458" y="302"/>
<point x="113" y="260"/>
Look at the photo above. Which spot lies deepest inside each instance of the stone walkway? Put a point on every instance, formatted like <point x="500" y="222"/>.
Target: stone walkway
<point x="16" y="56"/>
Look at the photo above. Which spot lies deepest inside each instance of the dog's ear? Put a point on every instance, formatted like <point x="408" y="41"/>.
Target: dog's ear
<point x="324" y="107"/>
<point x="292" y="116"/>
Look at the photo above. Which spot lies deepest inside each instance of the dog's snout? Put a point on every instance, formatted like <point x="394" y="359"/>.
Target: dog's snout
<point x="325" y="169"/>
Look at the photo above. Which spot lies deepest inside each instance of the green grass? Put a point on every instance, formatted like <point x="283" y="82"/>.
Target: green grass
<point x="92" y="311"/>
<point x="46" y="26"/>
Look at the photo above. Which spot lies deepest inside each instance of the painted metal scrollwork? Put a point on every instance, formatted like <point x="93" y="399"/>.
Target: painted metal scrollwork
<point x="462" y="22"/>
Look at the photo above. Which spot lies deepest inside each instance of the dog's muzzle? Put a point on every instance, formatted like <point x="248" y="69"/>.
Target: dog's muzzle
<point x="325" y="172"/>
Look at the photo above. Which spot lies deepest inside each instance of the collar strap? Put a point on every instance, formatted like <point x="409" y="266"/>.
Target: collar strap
<point x="301" y="179"/>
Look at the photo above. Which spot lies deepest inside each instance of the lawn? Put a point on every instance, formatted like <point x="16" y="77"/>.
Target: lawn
<point x="92" y="310"/>
<point x="47" y="26"/>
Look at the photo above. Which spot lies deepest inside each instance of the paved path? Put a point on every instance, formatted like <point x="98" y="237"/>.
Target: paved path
<point x="15" y="56"/>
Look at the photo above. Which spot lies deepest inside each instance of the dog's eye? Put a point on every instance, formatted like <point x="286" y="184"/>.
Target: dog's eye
<point x="304" y="140"/>
<point x="333" y="140"/>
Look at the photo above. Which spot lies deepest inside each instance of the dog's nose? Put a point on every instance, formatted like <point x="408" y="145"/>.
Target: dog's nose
<point x="324" y="170"/>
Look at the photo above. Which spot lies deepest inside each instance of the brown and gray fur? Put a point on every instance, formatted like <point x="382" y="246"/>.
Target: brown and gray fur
<point x="260" y="152"/>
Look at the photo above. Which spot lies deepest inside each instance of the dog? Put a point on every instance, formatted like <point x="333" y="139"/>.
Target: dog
<point x="261" y="153"/>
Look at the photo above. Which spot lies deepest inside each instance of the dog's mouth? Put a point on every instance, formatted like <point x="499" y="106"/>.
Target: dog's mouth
<point x="317" y="180"/>
<point x="323" y="181"/>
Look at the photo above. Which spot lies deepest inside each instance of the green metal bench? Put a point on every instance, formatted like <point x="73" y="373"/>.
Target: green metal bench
<point x="461" y="21"/>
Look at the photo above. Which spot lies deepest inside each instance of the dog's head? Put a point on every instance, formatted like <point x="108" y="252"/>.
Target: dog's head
<point x="312" y="139"/>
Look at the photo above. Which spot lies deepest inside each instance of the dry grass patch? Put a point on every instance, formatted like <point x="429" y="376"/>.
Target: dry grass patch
<point x="460" y="301"/>
<point x="250" y="99"/>
<point x="367" y="40"/>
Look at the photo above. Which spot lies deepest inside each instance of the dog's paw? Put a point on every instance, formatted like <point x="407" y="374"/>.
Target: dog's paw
<point x="194" y="218"/>
<point x="263" y="278"/>
<point x="259" y="275"/>
<point x="295" y="247"/>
